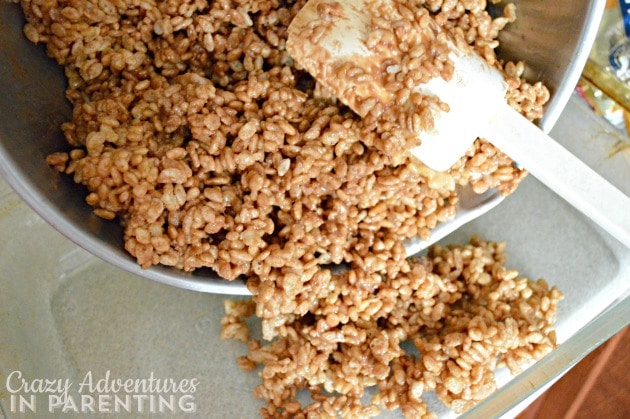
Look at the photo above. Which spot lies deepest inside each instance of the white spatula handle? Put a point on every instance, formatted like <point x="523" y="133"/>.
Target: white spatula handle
<point x="562" y="172"/>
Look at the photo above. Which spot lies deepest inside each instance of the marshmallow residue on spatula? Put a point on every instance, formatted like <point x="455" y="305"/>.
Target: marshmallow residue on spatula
<point x="391" y="63"/>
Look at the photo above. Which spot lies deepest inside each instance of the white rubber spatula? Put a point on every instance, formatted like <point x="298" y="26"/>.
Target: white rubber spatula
<point x="329" y="36"/>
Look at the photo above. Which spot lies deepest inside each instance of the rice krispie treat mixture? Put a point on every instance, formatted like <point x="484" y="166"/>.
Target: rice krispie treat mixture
<point x="193" y="128"/>
<point x="464" y="312"/>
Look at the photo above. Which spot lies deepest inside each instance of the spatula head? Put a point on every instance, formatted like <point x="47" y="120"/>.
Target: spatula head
<point x="385" y="54"/>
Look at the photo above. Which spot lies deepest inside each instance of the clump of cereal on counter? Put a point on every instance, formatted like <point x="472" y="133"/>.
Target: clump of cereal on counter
<point x="465" y="313"/>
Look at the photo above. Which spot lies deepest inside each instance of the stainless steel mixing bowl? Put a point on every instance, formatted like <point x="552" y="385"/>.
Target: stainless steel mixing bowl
<point x="553" y="37"/>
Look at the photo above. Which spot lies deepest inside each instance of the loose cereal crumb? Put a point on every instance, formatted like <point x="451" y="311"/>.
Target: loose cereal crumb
<point x="233" y="325"/>
<point x="459" y="306"/>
